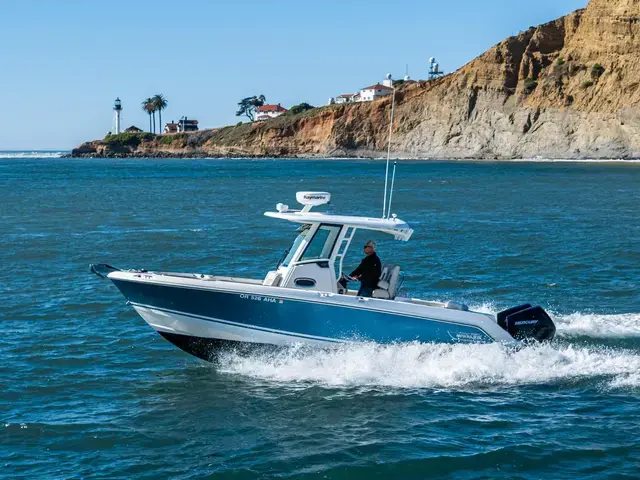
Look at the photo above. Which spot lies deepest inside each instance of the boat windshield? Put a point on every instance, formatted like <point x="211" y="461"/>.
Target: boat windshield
<point x="304" y="231"/>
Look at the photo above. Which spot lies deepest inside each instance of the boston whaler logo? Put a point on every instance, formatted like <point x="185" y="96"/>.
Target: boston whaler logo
<point x="464" y="337"/>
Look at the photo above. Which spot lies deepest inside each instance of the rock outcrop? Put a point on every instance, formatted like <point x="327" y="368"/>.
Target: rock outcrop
<point x="565" y="89"/>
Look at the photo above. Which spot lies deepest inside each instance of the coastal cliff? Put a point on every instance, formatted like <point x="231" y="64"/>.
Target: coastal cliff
<point x="565" y="89"/>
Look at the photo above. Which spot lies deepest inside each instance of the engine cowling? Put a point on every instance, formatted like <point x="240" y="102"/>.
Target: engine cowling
<point x="526" y="322"/>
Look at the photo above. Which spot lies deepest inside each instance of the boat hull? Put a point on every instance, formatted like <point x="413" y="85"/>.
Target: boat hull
<point x="213" y="317"/>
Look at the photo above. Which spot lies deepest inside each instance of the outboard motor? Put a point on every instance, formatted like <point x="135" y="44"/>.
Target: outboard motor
<point x="527" y="322"/>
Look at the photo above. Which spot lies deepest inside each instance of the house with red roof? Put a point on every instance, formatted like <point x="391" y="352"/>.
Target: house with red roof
<point x="266" y="112"/>
<point x="369" y="94"/>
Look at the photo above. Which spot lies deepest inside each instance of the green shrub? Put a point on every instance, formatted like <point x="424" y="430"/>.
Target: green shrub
<point x="560" y="61"/>
<point x="587" y="84"/>
<point x="173" y="139"/>
<point x="128" y="139"/>
<point x="302" y="107"/>
<point x="596" y="71"/>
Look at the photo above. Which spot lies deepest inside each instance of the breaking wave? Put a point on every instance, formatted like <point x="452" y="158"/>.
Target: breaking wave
<point x="32" y="154"/>
<point x="410" y="366"/>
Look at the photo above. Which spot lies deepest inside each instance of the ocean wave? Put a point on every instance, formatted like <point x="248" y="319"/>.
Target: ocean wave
<point x="410" y="366"/>
<point x="32" y="154"/>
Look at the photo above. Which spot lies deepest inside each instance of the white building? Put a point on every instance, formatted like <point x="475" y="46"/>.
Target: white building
<point x="266" y="112"/>
<point x="344" y="98"/>
<point x="373" y="92"/>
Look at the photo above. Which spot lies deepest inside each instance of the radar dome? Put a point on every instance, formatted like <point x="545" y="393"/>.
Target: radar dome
<point x="388" y="76"/>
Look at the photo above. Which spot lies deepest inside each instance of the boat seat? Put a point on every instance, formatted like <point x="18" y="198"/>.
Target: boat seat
<point x="388" y="282"/>
<point x="272" y="279"/>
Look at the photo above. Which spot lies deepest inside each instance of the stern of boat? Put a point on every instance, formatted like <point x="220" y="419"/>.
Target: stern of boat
<point x="526" y="322"/>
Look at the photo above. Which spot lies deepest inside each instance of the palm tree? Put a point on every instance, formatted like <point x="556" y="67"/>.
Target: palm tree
<point x="160" y="103"/>
<point x="149" y="107"/>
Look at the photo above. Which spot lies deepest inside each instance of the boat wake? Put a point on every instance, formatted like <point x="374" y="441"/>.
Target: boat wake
<point x="440" y="366"/>
<point x="414" y="365"/>
<point x="593" y="325"/>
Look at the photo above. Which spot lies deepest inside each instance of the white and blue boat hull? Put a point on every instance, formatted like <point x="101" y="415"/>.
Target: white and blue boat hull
<point x="199" y="315"/>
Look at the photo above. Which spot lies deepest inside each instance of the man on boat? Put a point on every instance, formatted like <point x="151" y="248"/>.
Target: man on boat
<point x="369" y="270"/>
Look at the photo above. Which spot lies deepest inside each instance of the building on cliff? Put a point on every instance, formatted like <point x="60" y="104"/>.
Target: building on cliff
<point x="183" y="125"/>
<point x="369" y="94"/>
<point x="266" y="112"/>
<point x="171" y="127"/>
<point x="344" y="98"/>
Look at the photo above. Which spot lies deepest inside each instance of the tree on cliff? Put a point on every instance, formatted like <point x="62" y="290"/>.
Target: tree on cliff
<point x="303" y="107"/>
<point x="160" y="103"/>
<point x="248" y="106"/>
<point x="149" y="107"/>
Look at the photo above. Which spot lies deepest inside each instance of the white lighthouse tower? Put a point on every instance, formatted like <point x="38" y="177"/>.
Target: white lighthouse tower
<point x="117" y="108"/>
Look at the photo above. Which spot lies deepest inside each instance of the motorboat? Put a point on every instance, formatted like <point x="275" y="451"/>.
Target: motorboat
<point x="307" y="299"/>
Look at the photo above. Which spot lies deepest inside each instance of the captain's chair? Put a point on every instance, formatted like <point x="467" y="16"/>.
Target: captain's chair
<point x="388" y="283"/>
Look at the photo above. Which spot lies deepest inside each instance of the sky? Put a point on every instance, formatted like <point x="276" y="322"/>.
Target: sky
<point x="63" y="62"/>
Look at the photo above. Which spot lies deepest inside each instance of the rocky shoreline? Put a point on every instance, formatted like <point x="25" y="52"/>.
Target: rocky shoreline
<point x="567" y="89"/>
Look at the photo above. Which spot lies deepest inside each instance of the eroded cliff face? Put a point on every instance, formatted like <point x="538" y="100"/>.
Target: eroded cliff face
<point x="566" y="89"/>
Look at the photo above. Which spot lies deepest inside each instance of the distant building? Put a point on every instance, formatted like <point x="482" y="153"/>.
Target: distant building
<point x="171" y="127"/>
<point x="266" y="112"/>
<point x="133" y="129"/>
<point x="344" y="98"/>
<point x="407" y="80"/>
<point x="369" y="94"/>
<point x="182" y="125"/>
<point x="434" y="69"/>
<point x="185" y="125"/>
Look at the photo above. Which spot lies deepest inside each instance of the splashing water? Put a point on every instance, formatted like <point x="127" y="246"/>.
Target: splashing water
<point x="459" y="366"/>
<point x="437" y="366"/>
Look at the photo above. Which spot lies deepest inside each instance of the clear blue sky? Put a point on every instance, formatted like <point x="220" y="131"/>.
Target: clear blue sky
<point x="62" y="63"/>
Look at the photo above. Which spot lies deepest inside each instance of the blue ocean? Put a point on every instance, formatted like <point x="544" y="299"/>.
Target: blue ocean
<point x="89" y="391"/>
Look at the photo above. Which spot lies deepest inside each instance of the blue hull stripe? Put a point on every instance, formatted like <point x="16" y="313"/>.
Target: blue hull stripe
<point x="241" y="325"/>
<point x="319" y="320"/>
<point x="305" y="301"/>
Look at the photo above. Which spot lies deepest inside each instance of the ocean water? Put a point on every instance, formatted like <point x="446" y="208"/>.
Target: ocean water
<point x="88" y="390"/>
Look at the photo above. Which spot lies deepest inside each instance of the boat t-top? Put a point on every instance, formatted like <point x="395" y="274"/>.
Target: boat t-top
<point x="306" y="299"/>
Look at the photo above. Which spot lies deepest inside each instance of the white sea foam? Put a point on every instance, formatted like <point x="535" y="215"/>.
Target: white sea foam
<point x="599" y="326"/>
<point x="460" y="366"/>
<point x="32" y="154"/>
<point x="593" y="325"/>
<point x="440" y="366"/>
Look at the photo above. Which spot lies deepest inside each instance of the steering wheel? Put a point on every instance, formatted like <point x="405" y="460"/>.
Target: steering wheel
<point x="347" y="278"/>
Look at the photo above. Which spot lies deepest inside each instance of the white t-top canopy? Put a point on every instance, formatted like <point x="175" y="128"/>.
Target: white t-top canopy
<point x="393" y="226"/>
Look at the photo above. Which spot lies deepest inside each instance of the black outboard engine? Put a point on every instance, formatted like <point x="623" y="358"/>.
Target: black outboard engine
<point x="527" y="322"/>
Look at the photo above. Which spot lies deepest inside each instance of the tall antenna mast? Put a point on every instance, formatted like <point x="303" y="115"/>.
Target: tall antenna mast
<point x="386" y="174"/>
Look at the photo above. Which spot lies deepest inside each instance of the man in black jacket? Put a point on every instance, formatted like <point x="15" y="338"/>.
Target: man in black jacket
<point x="369" y="270"/>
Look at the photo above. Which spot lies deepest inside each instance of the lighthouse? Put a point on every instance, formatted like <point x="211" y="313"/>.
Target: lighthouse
<point x="117" y="108"/>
